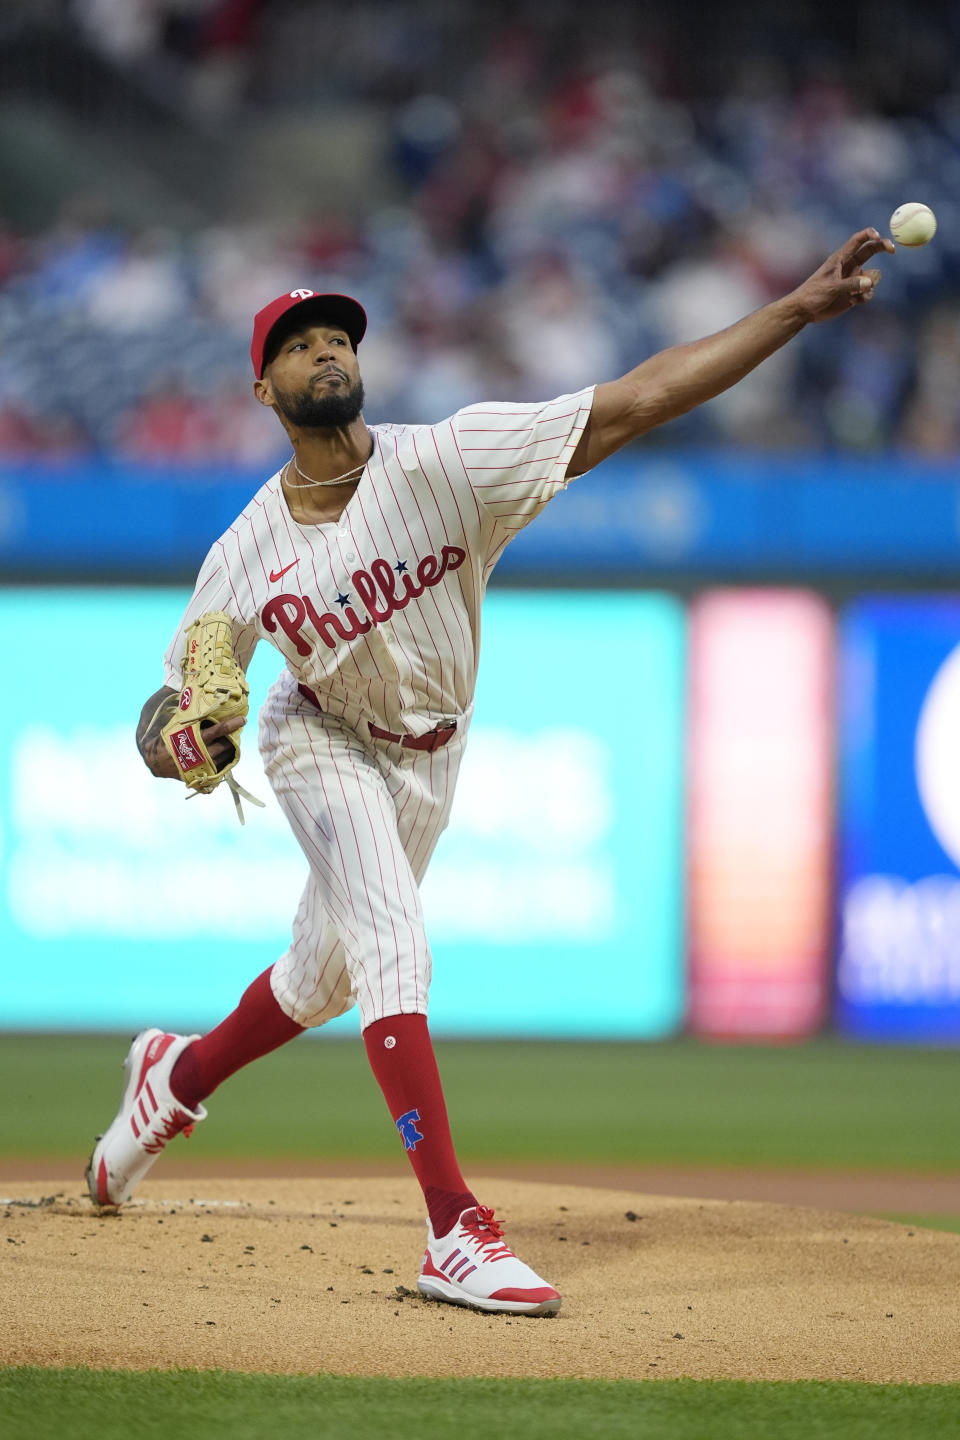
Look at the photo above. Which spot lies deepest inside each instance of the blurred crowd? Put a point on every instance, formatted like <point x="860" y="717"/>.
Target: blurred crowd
<point x="562" y="202"/>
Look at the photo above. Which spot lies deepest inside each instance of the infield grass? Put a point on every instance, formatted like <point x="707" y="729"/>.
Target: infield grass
<point x="928" y="1222"/>
<point x="821" y="1105"/>
<point x="215" y="1405"/>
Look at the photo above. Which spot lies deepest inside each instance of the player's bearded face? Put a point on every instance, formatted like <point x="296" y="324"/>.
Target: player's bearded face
<point x="321" y="406"/>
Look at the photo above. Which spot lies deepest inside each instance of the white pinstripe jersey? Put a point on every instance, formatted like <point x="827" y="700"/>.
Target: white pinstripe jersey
<point x="379" y="611"/>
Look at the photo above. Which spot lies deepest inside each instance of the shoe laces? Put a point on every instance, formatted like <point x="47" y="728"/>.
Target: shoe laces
<point x="486" y="1231"/>
<point x="171" y="1125"/>
<point x="174" y="1123"/>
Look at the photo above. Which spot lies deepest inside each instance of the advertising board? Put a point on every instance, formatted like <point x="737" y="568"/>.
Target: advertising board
<point x="553" y="902"/>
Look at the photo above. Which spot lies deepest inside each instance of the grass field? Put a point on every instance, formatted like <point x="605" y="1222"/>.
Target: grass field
<point x="104" y="1405"/>
<point x="820" y="1106"/>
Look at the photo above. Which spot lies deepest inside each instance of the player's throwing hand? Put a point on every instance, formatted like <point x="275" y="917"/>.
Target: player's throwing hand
<point x="841" y="282"/>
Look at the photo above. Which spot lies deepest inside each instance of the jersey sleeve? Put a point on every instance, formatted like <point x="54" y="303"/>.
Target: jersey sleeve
<point x="212" y="591"/>
<point x="516" y="456"/>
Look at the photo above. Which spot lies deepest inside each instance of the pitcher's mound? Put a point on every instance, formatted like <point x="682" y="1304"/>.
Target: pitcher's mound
<point x="317" y="1275"/>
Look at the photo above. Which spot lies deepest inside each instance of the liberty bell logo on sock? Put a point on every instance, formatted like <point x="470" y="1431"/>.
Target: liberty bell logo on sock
<point x="407" y="1125"/>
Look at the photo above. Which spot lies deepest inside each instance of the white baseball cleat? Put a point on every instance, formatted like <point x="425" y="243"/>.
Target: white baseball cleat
<point x="148" y="1117"/>
<point x="474" y="1266"/>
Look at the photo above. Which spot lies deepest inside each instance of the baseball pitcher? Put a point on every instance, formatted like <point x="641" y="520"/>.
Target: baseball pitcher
<point x="364" y="561"/>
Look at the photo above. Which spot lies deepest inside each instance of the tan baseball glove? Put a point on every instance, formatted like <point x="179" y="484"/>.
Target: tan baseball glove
<point x="214" y="688"/>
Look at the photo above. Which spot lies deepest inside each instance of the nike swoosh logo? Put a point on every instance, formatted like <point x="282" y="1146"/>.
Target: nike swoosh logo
<point x="276" y="575"/>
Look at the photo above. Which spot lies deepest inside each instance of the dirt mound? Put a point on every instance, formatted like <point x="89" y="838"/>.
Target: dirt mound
<point x="316" y="1275"/>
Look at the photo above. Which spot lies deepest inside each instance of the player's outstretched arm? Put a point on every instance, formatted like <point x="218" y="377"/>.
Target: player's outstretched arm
<point x="155" y="714"/>
<point x="677" y="380"/>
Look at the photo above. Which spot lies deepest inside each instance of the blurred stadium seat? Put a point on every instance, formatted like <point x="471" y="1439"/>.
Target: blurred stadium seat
<point x="532" y="206"/>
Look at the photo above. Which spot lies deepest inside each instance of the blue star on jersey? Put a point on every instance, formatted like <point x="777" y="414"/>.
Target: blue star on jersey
<point x="407" y="1125"/>
<point x="343" y="600"/>
<point x="400" y="566"/>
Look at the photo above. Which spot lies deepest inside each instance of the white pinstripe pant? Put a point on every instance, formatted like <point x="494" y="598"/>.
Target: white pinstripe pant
<point x="367" y="815"/>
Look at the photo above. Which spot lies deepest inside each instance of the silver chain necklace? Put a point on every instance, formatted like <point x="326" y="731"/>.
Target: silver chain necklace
<point x="320" y="484"/>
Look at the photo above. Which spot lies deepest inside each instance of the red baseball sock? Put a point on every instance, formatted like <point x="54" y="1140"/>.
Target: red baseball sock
<point x="257" y="1026"/>
<point x="401" y="1057"/>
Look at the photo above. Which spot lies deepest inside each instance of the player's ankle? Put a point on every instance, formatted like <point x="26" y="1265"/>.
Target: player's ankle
<point x="185" y="1083"/>
<point x="445" y="1207"/>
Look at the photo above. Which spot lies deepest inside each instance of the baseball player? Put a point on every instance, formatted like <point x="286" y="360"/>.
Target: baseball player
<point x="364" y="560"/>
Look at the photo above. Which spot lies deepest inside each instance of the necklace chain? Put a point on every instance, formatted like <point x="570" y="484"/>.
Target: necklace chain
<point x="320" y="484"/>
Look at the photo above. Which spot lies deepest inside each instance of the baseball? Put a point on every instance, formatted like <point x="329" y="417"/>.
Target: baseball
<point x="913" y="224"/>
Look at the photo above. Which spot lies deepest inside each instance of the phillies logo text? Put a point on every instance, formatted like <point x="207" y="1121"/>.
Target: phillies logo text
<point x="381" y="589"/>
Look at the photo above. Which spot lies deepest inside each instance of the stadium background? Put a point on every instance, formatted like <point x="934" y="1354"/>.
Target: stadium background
<point x="746" y="826"/>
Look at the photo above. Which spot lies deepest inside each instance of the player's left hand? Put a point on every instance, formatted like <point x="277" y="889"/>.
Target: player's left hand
<point x="841" y="282"/>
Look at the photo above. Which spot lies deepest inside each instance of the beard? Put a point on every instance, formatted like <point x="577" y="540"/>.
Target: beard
<point x="311" y="411"/>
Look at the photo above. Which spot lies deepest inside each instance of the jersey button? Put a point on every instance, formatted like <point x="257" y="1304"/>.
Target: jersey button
<point x="351" y="557"/>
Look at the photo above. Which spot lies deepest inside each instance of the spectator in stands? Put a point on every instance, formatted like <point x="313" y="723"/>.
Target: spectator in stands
<point x="168" y="425"/>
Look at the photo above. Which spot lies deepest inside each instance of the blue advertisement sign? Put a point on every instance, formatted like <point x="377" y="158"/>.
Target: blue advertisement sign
<point x="898" y="970"/>
<point x="554" y="899"/>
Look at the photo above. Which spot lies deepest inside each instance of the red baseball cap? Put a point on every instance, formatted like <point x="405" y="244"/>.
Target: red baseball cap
<point x="349" y="314"/>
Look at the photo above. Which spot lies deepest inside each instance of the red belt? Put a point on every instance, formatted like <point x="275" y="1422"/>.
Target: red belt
<point x="431" y="741"/>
